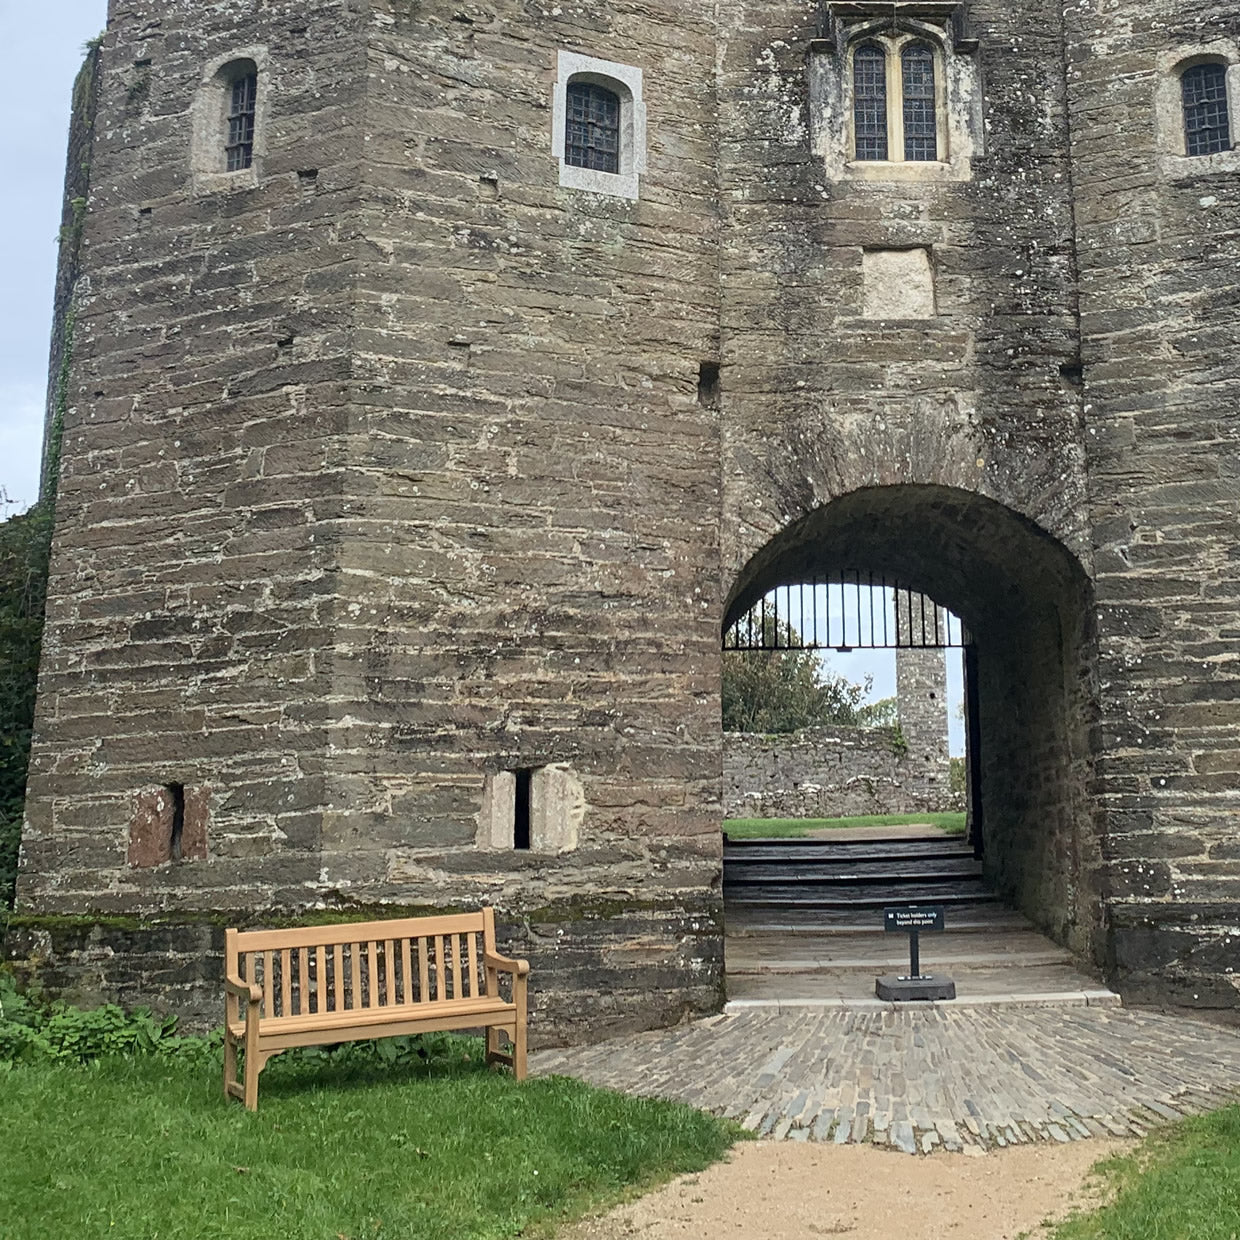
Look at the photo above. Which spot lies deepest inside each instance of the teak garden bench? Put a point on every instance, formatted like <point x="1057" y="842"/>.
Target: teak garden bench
<point x="318" y="985"/>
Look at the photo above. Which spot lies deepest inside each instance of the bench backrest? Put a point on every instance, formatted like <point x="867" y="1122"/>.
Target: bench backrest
<point x="362" y="965"/>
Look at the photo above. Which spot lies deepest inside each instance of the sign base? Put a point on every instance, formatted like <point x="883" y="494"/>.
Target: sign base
<point x="894" y="989"/>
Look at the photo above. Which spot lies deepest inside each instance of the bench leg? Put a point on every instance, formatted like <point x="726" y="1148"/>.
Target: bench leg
<point x="230" y="1065"/>
<point x="253" y="1065"/>
<point x="518" y="1047"/>
<point x="495" y="1048"/>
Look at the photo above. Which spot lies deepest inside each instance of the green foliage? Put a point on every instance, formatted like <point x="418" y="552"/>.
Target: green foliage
<point x="1183" y="1183"/>
<point x="784" y="690"/>
<point x="956" y="777"/>
<point x="419" y="1139"/>
<point x="31" y="1033"/>
<point x="884" y="713"/>
<point x="792" y="828"/>
<point x="25" y="543"/>
<point x="899" y="742"/>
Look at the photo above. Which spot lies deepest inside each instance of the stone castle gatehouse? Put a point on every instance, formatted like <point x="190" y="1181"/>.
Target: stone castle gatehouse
<point x="445" y="377"/>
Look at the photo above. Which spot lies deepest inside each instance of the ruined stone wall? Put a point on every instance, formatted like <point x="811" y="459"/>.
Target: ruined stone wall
<point x="900" y="349"/>
<point x="921" y="691"/>
<point x="1160" y="310"/>
<point x="831" y="773"/>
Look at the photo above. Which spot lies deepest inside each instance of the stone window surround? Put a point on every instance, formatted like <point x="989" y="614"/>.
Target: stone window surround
<point x="625" y="81"/>
<point x="1169" y="109"/>
<point x="893" y="46"/>
<point x="557" y="808"/>
<point x="210" y="123"/>
<point x="958" y="96"/>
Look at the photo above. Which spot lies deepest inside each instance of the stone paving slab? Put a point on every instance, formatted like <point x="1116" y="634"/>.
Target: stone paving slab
<point x="959" y="1078"/>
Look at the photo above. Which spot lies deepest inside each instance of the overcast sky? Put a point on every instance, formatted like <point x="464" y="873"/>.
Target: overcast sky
<point x="43" y="51"/>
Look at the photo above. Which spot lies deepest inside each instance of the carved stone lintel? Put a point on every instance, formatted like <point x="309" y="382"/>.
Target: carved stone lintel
<point x="840" y="17"/>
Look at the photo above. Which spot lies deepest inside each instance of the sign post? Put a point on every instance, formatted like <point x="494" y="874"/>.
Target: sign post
<point x="913" y="920"/>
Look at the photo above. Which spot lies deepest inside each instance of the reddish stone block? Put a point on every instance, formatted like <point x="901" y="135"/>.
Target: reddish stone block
<point x="150" y="828"/>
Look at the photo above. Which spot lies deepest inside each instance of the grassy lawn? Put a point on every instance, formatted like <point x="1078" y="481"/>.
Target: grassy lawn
<point x="1181" y="1184"/>
<point x="146" y="1148"/>
<point x="790" y="828"/>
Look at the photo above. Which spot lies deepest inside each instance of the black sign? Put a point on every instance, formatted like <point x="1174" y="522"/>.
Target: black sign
<point x="913" y="917"/>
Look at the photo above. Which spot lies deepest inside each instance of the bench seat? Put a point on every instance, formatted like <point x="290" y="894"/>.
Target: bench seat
<point x="322" y="985"/>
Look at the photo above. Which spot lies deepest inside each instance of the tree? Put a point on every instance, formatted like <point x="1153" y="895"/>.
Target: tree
<point x="784" y="690"/>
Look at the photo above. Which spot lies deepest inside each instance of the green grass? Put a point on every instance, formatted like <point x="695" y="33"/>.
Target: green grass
<point x="147" y="1149"/>
<point x="1183" y="1183"/>
<point x="790" y="828"/>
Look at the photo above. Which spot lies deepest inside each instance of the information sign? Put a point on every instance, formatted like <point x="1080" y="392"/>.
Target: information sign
<point x="913" y="917"/>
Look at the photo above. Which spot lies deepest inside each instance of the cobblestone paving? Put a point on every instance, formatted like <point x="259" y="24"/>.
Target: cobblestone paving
<point x="977" y="1077"/>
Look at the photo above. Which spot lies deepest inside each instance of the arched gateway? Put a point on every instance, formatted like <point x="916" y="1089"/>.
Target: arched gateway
<point x="414" y="459"/>
<point x="1024" y="601"/>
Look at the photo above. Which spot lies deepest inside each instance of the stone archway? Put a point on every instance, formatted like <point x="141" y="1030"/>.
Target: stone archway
<point x="1026" y="602"/>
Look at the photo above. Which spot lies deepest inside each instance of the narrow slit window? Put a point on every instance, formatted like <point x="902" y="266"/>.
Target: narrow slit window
<point x="592" y="129"/>
<point x="1206" y="127"/>
<point x="243" y="102"/>
<point x="523" y="810"/>
<point x="176" y="793"/>
<point x="870" y="101"/>
<point x="921" y="130"/>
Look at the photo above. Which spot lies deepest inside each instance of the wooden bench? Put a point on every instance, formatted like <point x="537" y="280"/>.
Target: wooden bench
<point x="319" y="985"/>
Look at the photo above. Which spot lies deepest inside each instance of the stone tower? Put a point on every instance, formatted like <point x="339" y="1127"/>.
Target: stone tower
<point x="418" y="450"/>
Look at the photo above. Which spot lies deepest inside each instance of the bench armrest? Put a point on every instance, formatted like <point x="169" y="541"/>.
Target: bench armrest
<point x="247" y="992"/>
<point x="518" y="968"/>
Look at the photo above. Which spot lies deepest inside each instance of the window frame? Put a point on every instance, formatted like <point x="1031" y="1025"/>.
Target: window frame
<point x="601" y="136"/>
<point x="1170" y="135"/>
<point x="212" y="121"/>
<point x="1230" y="141"/>
<point x="893" y="47"/>
<point x="241" y="117"/>
<point x="623" y="81"/>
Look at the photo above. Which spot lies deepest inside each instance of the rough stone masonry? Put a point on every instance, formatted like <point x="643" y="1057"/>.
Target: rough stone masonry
<point x="410" y="472"/>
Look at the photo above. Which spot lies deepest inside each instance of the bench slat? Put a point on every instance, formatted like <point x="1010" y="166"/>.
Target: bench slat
<point x="456" y="966"/>
<point x="389" y="972"/>
<point x="268" y="1008"/>
<point x="423" y="971"/>
<point x="441" y="973"/>
<point x="286" y="983"/>
<point x="406" y="971"/>
<point x="372" y="1018"/>
<point x="357" y="932"/>
<point x="338" y="975"/>
<point x="372" y="974"/>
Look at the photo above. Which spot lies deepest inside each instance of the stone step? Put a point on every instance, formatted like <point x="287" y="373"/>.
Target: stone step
<point x="828" y="895"/>
<point x="860" y="850"/>
<point x="745" y="919"/>
<point x="844" y="870"/>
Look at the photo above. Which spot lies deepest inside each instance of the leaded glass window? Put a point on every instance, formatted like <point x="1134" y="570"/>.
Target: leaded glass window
<point x="870" y="101"/>
<point x="592" y="129"/>
<point x="243" y="99"/>
<point x="1206" y="128"/>
<point x="921" y="130"/>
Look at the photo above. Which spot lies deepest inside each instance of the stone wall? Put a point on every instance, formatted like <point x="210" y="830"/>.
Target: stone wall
<point x="922" y="417"/>
<point x="369" y="498"/>
<point x="1159" y="256"/>
<point x="831" y="773"/>
<point x="396" y="472"/>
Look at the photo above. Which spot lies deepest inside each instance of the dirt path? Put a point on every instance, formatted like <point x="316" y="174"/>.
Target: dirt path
<point x="780" y="1190"/>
